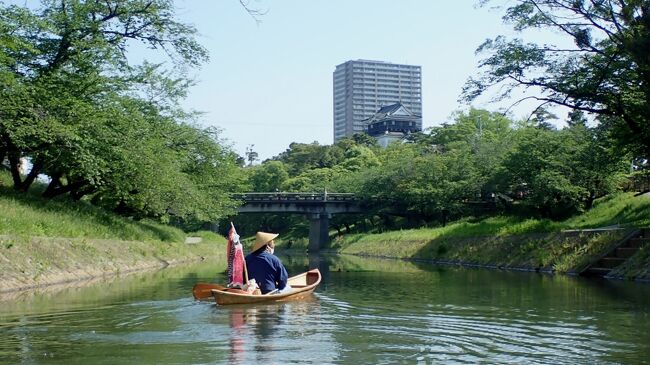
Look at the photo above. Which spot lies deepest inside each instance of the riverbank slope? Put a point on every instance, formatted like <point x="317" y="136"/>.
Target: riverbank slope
<point x="28" y="262"/>
<point x="45" y="242"/>
<point x="33" y="252"/>
<point x="519" y="244"/>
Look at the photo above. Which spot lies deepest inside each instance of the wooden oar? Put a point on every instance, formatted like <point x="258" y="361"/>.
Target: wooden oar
<point x="203" y="290"/>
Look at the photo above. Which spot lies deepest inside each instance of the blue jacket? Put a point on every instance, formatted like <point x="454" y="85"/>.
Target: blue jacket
<point x="267" y="270"/>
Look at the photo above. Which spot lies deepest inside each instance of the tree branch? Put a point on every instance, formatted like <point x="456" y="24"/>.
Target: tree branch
<point x="62" y="189"/>
<point x="256" y="14"/>
<point x="563" y="27"/>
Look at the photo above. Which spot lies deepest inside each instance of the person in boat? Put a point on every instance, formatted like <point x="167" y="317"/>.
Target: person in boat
<point x="265" y="267"/>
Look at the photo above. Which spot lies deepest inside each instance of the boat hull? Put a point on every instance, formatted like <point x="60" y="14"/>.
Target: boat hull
<point x="303" y="286"/>
<point x="203" y="291"/>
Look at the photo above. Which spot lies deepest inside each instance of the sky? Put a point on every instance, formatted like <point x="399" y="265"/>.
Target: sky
<point x="269" y="84"/>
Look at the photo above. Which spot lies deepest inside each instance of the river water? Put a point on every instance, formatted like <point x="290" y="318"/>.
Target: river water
<point x="366" y="311"/>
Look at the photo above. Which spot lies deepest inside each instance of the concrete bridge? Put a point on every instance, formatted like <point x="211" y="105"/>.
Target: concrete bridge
<point x="319" y="207"/>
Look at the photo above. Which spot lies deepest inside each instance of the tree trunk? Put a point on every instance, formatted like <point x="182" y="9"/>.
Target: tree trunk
<point x="54" y="184"/>
<point x="590" y="200"/>
<point x="121" y="207"/>
<point x="62" y="189"/>
<point x="3" y="153"/>
<point x="33" y="174"/>
<point x="77" y="194"/>
<point x="14" y="166"/>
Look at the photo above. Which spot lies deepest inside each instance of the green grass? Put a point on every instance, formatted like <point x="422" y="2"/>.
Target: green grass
<point x="44" y="241"/>
<point x="620" y="209"/>
<point x="209" y="237"/>
<point x="576" y="254"/>
<point x="638" y="266"/>
<point x="492" y="227"/>
<point x="505" y="240"/>
<point x="31" y="215"/>
<point x="508" y="241"/>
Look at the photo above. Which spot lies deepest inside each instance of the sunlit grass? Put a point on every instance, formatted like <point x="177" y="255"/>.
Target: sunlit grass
<point x="509" y="240"/>
<point x="621" y="209"/>
<point x="568" y="255"/>
<point x="209" y="237"/>
<point x="31" y="215"/>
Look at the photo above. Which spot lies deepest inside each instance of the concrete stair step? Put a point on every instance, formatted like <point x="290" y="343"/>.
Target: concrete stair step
<point x="626" y="252"/>
<point x="637" y="242"/>
<point x="597" y="271"/>
<point x="610" y="262"/>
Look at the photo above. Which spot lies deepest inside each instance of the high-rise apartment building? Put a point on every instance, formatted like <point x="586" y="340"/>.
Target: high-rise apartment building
<point x="362" y="87"/>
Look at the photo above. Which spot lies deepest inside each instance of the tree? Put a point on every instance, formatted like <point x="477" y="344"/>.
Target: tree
<point x="597" y="168"/>
<point x="146" y="164"/>
<point x="301" y="157"/>
<point x="251" y="155"/>
<point x="413" y="182"/>
<point x="316" y="180"/>
<point x="482" y="137"/>
<point x="99" y="126"/>
<point x="359" y="157"/>
<point x="605" y="73"/>
<point x="364" y="139"/>
<point x="269" y="176"/>
<point x="561" y="172"/>
<point x="576" y="118"/>
<point x="60" y="62"/>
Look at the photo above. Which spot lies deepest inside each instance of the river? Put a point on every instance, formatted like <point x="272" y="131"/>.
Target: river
<point x="366" y="311"/>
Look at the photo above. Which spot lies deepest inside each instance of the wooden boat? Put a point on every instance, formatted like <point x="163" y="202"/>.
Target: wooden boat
<point x="202" y="291"/>
<point x="303" y="285"/>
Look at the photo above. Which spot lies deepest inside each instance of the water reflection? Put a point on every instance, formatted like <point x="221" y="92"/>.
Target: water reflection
<point x="366" y="311"/>
<point x="237" y="323"/>
<point x="255" y="324"/>
<point x="171" y="281"/>
<point x="272" y="333"/>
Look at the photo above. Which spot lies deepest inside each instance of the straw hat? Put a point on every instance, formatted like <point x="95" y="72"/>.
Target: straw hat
<point x="261" y="239"/>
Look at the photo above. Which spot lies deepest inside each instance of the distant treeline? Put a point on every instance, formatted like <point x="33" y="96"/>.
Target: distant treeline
<point x="482" y="159"/>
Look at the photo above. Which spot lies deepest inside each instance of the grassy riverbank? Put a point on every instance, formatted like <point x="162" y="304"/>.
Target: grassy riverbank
<point x="512" y="242"/>
<point x="31" y="215"/>
<point x="43" y="242"/>
<point x="27" y="262"/>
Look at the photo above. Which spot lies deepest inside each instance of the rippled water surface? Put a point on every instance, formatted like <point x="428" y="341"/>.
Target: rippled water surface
<point x="366" y="311"/>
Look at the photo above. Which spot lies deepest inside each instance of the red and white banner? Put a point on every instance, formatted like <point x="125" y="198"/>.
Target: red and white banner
<point x="235" y="257"/>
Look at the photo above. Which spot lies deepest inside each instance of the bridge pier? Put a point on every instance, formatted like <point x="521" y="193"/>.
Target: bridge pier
<point x="318" y="207"/>
<point x="318" y="231"/>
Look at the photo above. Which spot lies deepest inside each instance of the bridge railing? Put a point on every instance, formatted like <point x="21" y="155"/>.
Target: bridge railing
<point x="278" y="196"/>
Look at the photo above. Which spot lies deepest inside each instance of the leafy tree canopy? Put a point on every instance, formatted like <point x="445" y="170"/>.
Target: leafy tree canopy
<point x="269" y="176"/>
<point x="73" y="105"/>
<point x="605" y="73"/>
